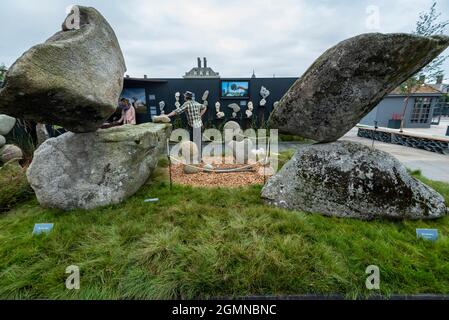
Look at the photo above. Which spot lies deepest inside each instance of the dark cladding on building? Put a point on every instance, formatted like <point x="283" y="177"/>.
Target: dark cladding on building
<point x="147" y="94"/>
<point x="150" y="92"/>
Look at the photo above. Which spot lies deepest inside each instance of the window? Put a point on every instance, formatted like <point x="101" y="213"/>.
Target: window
<point x="421" y="110"/>
<point x="153" y="111"/>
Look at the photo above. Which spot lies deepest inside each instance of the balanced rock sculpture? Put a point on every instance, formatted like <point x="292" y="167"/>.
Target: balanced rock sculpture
<point x="347" y="179"/>
<point x="349" y="80"/>
<point x="74" y="79"/>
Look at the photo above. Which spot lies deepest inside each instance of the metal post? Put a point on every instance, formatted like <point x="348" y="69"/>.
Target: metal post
<point x="374" y="132"/>
<point x="266" y="158"/>
<point x="169" y="163"/>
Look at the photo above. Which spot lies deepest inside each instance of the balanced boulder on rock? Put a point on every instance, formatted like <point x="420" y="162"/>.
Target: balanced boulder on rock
<point x="347" y="179"/>
<point x="95" y="169"/>
<point x="74" y="79"/>
<point x="349" y="80"/>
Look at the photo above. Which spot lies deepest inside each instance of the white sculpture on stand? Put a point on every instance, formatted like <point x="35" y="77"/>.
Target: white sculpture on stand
<point x="235" y="108"/>
<point x="264" y="92"/>
<point x="204" y="98"/>
<point x="220" y="114"/>
<point x="249" y="111"/>
<point x="161" y="107"/>
<point x="177" y="96"/>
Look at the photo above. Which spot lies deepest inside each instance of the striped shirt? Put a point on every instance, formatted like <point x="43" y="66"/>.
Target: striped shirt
<point x="193" y="109"/>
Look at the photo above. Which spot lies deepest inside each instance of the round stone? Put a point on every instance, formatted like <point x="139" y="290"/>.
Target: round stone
<point x="235" y="127"/>
<point x="189" y="169"/>
<point x="9" y="152"/>
<point x="6" y="124"/>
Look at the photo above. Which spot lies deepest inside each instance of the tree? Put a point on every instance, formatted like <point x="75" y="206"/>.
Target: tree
<point x="2" y="72"/>
<point x="428" y="24"/>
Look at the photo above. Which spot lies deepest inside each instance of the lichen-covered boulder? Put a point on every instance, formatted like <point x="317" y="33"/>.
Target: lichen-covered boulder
<point x="89" y="170"/>
<point x="74" y="79"/>
<point x="347" y="179"/>
<point x="349" y="80"/>
<point x="6" y="124"/>
<point x="9" y="152"/>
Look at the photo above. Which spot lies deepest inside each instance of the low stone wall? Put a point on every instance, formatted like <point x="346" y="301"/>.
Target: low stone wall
<point x="434" y="145"/>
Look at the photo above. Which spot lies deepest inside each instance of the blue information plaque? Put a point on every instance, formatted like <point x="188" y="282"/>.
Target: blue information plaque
<point x="427" y="234"/>
<point x="40" y="228"/>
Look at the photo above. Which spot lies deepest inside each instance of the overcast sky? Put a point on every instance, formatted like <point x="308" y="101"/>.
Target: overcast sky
<point x="163" y="38"/>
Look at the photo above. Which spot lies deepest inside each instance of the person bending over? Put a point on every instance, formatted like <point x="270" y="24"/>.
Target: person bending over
<point x="128" y="113"/>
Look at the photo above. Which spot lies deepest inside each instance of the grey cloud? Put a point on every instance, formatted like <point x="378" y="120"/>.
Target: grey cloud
<point x="163" y="38"/>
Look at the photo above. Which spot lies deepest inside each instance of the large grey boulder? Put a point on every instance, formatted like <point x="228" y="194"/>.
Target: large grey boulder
<point x="74" y="79"/>
<point x="6" y="124"/>
<point x="347" y="179"/>
<point x="349" y="80"/>
<point x="2" y="141"/>
<point x="89" y="170"/>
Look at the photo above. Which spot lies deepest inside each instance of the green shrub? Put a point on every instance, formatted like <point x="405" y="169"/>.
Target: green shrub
<point x="14" y="186"/>
<point x="21" y="136"/>
<point x="284" y="157"/>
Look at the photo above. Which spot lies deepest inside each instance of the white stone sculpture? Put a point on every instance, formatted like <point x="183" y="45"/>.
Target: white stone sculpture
<point x="161" y="107"/>
<point x="204" y="98"/>
<point x="177" y="96"/>
<point x="264" y="92"/>
<point x="161" y="119"/>
<point x="220" y="115"/>
<point x="235" y="107"/>
<point x="235" y="128"/>
<point x="249" y="111"/>
<point x="205" y="95"/>
<point x="241" y="150"/>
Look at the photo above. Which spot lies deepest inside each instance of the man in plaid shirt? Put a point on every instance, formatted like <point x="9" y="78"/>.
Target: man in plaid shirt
<point x="195" y="112"/>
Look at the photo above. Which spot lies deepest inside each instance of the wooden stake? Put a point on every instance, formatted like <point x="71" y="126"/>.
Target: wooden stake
<point x="169" y="163"/>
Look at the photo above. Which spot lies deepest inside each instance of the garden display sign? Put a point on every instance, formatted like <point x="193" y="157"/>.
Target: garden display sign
<point x="427" y="234"/>
<point x="40" y="228"/>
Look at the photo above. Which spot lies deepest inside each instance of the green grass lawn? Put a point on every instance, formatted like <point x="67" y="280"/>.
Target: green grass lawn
<point x="201" y="243"/>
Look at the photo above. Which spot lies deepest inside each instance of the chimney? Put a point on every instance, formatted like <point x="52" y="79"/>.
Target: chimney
<point x="205" y="62"/>
<point x="145" y="76"/>
<point x="199" y="62"/>
<point x="440" y="79"/>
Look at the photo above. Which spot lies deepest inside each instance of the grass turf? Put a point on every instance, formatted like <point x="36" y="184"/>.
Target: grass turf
<point x="202" y="243"/>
